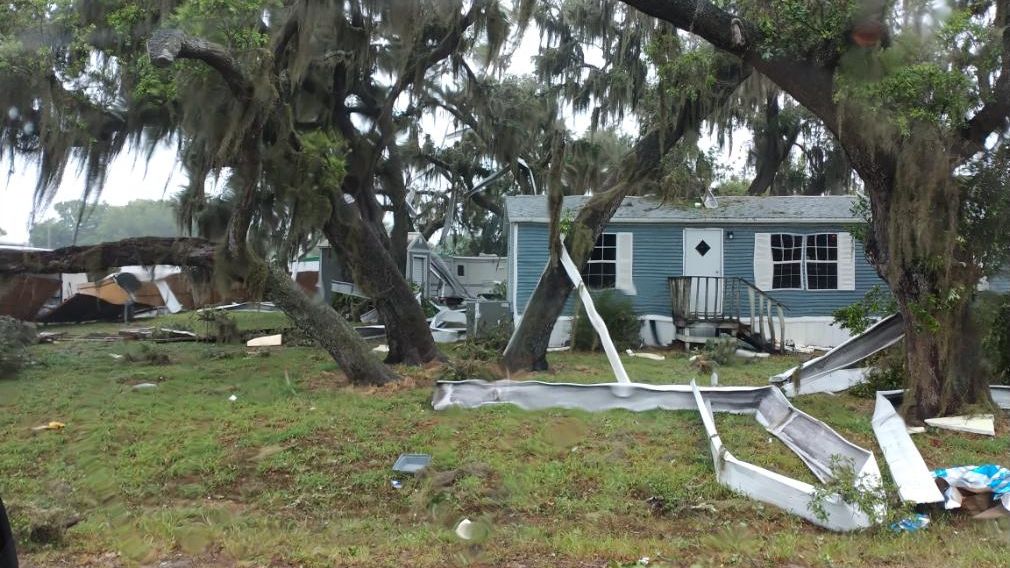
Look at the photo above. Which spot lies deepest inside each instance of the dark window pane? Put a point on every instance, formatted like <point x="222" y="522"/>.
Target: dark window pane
<point x="609" y="253"/>
<point x="460" y="270"/>
<point x="787" y="275"/>
<point x="822" y="247"/>
<point x="608" y="240"/>
<point x="597" y="253"/>
<point x="822" y="276"/>
<point x="600" y="274"/>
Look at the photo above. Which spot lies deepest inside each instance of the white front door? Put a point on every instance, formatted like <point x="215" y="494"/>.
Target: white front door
<point x="703" y="258"/>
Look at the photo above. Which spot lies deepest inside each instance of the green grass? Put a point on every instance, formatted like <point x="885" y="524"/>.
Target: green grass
<point x="246" y="320"/>
<point x="296" y="471"/>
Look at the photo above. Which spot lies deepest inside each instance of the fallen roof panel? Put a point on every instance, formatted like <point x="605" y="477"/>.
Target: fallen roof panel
<point x="814" y="442"/>
<point x="908" y="469"/>
<point x="784" y="492"/>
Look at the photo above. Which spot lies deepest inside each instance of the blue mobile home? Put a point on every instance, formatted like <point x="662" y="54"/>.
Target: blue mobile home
<point x="793" y="257"/>
<point x="999" y="283"/>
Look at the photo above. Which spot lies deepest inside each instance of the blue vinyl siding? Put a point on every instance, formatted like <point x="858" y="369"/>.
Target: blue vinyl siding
<point x="1000" y="283"/>
<point x="739" y="261"/>
<point x="658" y="254"/>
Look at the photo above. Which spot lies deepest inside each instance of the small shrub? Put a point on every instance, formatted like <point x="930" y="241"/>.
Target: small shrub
<point x="997" y="343"/>
<point x="873" y="502"/>
<point x="220" y="325"/>
<point x="721" y="351"/>
<point x="618" y="314"/>
<point x="15" y="337"/>
<point x="468" y="369"/>
<point x="878" y="302"/>
<point x="888" y="373"/>
<point x="488" y="347"/>
<point x="149" y="355"/>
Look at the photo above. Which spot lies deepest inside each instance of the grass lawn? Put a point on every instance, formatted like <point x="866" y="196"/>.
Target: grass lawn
<point x="296" y="471"/>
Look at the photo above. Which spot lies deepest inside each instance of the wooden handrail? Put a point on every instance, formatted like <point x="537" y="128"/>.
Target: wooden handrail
<point x="719" y="299"/>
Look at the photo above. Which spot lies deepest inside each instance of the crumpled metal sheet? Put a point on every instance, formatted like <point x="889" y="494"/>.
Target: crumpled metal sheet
<point x="787" y="493"/>
<point x="908" y="469"/>
<point x="812" y="440"/>
<point x="876" y="338"/>
<point x="830" y="382"/>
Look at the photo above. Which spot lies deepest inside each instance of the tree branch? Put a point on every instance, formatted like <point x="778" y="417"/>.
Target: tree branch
<point x="807" y="81"/>
<point x="143" y="251"/>
<point x="167" y="45"/>
<point x="994" y="114"/>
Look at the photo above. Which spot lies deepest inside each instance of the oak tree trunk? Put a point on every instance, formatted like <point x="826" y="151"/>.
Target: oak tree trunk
<point x="332" y="332"/>
<point x="914" y="244"/>
<point x="376" y="273"/>
<point x="527" y="349"/>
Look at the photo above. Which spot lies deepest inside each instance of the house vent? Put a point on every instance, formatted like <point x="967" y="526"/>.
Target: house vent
<point x="710" y="201"/>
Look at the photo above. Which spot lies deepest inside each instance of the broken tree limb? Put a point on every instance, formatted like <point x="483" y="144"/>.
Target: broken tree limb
<point x="167" y="45"/>
<point x="142" y="251"/>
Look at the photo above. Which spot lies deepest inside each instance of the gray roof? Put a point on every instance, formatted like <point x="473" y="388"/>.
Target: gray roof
<point x="742" y="209"/>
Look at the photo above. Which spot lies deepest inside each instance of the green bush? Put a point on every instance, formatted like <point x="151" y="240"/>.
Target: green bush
<point x="878" y="302"/>
<point x="220" y="325"/>
<point x="487" y="347"/>
<point x="15" y="337"/>
<point x="888" y="373"/>
<point x="721" y="351"/>
<point x="997" y="343"/>
<point x="618" y="313"/>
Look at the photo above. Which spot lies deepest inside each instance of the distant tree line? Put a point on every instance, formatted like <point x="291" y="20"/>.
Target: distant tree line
<point x="103" y="222"/>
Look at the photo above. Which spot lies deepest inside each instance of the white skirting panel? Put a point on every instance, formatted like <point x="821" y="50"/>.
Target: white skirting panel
<point x="658" y="331"/>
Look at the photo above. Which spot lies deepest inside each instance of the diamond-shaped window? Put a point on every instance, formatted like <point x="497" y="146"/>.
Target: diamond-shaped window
<point x="702" y="248"/>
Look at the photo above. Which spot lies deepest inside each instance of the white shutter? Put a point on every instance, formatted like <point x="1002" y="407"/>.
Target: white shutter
<point x="763" y="270"/>
<point x="846" y="262"/>
<point x="625" y="281"/>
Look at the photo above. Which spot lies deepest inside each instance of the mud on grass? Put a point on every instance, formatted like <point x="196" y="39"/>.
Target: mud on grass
<point x="296" y="471"/>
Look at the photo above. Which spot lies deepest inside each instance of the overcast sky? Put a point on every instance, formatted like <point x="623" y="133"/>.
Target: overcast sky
<point x="129" y="178"/>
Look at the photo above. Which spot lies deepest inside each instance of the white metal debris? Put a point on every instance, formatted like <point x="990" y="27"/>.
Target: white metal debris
<point x="465" y="529"/>
<point x="265" y="341"/>
<point x="812" y="440"/>
<point x="876" y="338"/>
<point x="652" y="356"/>
<point x="594" y="317"/>
<point x="784" y="492"/>
<point x="908" y="469"/>
<point x="977" y="424"/>
<point x="448" y="325"/>
<point x="830" y="382"/>
<point x="748" y="354"/>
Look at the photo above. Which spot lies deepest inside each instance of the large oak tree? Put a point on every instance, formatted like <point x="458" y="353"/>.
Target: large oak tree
<point x="915" y="97"/>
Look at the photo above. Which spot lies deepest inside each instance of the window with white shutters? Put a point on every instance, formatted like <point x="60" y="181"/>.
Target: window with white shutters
<point x="821" y="261"/>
